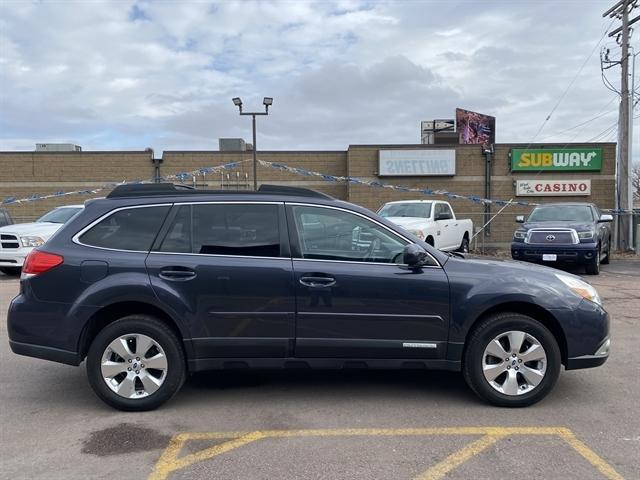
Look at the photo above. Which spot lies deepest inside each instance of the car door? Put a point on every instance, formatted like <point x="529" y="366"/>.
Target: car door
<point x="450" y="231"/>
<point x="442" y="227"/>
<point x="602" y="229"/>
<point x="354" y="298"/>
<point x="225" y="268"/>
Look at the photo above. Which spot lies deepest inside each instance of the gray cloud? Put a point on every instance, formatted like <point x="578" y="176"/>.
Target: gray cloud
<point x="161" y="74"/>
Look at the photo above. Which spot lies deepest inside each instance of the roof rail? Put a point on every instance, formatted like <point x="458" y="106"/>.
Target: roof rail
<point x="170" y="189"/>
<point x="293" y="191"/>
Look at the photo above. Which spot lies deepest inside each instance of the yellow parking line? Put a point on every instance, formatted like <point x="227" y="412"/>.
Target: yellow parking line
<point x="592" y="457"/>
<point x="458" y="458"/>
<point x="170" y="462"/>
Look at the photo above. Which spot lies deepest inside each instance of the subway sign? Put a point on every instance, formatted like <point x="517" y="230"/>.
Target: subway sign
<point x="556" y="159"/>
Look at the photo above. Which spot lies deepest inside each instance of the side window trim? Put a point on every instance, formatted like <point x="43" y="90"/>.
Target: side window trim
<point x="76" y="238"/>
<point x="296" y="252"/>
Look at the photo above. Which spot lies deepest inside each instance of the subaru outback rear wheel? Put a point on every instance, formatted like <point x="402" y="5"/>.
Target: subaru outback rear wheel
<point x="136" y="363"/>
<point x="511" y="360"/>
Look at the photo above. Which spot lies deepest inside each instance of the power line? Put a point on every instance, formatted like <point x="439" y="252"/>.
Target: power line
<point x="564" y="94"/>
<point x="600" y="114"/>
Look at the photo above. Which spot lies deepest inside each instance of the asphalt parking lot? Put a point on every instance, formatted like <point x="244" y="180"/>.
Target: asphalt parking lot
<point x="329" y="425"/>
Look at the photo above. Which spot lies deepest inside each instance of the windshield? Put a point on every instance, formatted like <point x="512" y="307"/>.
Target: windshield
<point x="419" y="210"/>
<point x="59" y="215"/>
<point x="562" y="213"/>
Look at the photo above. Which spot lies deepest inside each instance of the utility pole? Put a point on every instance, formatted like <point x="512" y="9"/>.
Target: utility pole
<point x="624" y="230"/>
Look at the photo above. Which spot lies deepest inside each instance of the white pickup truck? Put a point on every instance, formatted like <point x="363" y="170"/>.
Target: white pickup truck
<point x="432" y="221"/>
<point x="17" y="240"/>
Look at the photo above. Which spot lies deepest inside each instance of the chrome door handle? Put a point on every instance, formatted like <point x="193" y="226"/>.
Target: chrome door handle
<point x="317" y="281"/>
<point x="177" y="275"/>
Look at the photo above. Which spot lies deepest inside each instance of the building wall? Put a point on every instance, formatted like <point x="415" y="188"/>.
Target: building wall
<point x="23" y="174"/>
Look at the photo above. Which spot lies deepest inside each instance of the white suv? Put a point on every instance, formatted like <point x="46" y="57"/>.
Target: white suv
<point x="16" y="241"/>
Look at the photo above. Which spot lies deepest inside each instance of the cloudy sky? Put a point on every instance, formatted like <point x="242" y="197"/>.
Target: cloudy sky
<point x="133" y="74"/>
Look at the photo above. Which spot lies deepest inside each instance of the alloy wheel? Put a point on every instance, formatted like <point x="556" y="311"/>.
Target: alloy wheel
<point x="134" y="366"/>
<point x="514" y="363"/>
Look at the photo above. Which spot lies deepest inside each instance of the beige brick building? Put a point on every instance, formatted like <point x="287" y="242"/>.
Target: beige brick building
<point x="23" y="174"/>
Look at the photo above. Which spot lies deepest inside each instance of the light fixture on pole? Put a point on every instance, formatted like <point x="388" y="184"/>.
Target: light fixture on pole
<point x="267" y="102"/>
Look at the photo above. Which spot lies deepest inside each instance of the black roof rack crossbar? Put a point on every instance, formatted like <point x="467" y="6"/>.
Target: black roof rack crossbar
<point x="169" y="189"/>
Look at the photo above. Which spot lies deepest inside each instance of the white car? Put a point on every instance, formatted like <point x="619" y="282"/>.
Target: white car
<point x="17" y="240"/>
<point x="432" y="221"/>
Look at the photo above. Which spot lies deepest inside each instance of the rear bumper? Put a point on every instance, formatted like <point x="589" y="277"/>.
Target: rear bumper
<point x="580" y="253"/>
<point x="45" y="353"/>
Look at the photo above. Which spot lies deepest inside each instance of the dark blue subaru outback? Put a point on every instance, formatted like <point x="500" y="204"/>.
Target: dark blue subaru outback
<point x="153" y="283"/>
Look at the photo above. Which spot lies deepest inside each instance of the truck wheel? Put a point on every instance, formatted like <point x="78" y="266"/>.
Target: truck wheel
<point x="136" y="363"/>
<point x="511" y="360"/>
<point x="607" y="258"/>
<point x="593" y="267"/>
<point x="429" y="240"/>
<point x="464" y="246"/>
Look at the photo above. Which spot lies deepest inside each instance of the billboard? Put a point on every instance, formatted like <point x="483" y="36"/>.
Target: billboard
<point x="476" y="128"/>
<point x="430" y="128"/>
<point x="555" y="188"/>
<point x="556" y="159"/>
<point x="416" y="163"/>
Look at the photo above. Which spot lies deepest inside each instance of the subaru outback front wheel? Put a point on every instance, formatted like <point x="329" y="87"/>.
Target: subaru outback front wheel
<point x="511" y="360"/>
<point x="136" y="363"/>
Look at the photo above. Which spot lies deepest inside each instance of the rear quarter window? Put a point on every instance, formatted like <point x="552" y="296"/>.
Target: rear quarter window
<point x="128" y="229"/>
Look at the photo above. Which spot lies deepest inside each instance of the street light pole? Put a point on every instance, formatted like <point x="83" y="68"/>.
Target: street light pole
<point x="267" y="102"/>
<point x="255" y="159"/>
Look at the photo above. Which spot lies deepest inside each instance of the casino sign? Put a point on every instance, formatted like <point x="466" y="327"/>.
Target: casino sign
<point x="553" y="188"/>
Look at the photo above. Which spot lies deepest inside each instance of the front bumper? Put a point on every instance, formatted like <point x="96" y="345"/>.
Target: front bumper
<point x="587" y="336"/>
<point x="580" y="253"/>
<point x="14" y="257"/>
<point x="590" y="361"/>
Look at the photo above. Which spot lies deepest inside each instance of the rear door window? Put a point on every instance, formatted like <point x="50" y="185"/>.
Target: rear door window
<point x="225" y="229"/>
<point x="131" y="229"/>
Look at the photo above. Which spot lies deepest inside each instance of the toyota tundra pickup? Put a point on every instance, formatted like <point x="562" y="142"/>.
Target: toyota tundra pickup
<point x="555" y="233"/>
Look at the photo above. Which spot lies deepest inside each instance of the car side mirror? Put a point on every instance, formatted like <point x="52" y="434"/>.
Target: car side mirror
<point x="605" y="217"/>
<point x="519" y="218"/>
<point x="414" y="256"/>
<point x="442" y="216"/>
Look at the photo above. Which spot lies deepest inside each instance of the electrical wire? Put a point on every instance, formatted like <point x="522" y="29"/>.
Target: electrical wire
<point x="573" y="80"/>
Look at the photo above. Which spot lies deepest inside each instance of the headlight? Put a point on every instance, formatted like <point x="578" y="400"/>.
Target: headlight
<point x="520" y="234"/>
<point x="418" y="233"/>
<point x="585" y="235"/>
<point x="32" y="241"/>
<point x="580" y="288"/>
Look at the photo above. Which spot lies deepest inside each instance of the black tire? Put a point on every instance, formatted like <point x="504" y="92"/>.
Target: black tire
<point x="430" y="241"/>
<point x="160" y="333"/>
<point x="593" y="267"/>
<point x="11" y="271"/>
<point x="464" y="245"/>
<point x="491" y="328"/>
<point x="607" y="259"/>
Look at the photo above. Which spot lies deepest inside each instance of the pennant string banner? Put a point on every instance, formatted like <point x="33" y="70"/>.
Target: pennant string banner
<point x="183" y="176"/>
<point x="400" y="188"/>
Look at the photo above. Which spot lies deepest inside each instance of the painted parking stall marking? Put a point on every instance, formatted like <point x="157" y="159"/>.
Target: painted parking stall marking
<point x="170" y="461"/>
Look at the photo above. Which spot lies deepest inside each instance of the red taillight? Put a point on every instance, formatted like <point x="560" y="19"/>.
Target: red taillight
<point x="38" y="262"/>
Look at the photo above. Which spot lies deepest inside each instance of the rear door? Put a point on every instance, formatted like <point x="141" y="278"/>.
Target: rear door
<point x="354" y="298"/>
<point x="225" y="268"/>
